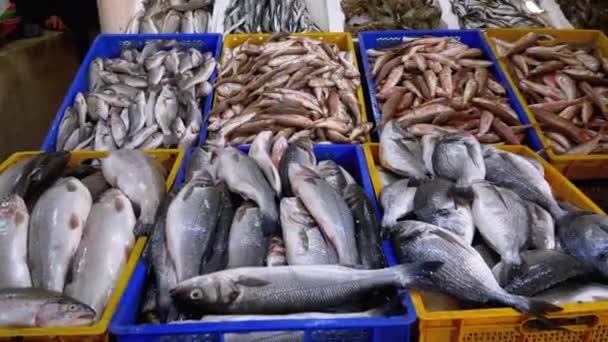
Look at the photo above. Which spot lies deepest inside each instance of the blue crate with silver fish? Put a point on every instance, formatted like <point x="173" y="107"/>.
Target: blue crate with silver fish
<point x="362" y="326"/>
<point x="138" y="91"/>
<point x="491" y="112"/>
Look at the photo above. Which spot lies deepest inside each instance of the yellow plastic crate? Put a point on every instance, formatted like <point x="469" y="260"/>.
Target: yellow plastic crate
<point x="171" y="161"/>
<point x="506" y="324"/>
<point x="576" y="166"/>
<point x="343" y="40"/>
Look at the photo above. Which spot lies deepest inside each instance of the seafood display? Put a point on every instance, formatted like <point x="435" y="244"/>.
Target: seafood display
<point x="586" y="14"/>
<point x="275" y="224"/>
<point x="67" y="234"/>
<point x="565" y="87"/>
<point x="172" y="16"/>
<point x="292" y="85"/>
<point x="489" y="215"/>
<point x="378" y="15"/>
<point x="268" y="16"/>
<point x="141" y="100"/>
<point x="438" y="84"/>
<point x="479" y="14"/>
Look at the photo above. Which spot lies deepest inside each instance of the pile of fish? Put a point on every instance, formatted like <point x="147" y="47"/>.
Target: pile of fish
<point x="290" y="84"/>
<point x="260" y="233"/>
<point x="268" y="16"/>
<point x="441" y="84"/>
<point x="586" y="14"/>
<point x="489" y="215"/>
<point x="140" y="100"/>
<point x="66" y="234"/>
<point x="378" y="15"/>
<point x="479" y="14"/>
<point x="566" y="88"/>
<point x="172" y="16"/>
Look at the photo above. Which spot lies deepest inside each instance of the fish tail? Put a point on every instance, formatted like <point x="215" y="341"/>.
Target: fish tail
<point x="417" y="273"/>
<point x="534" y="307"/>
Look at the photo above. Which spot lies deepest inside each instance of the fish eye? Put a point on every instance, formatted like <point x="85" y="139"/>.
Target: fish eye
<point x="72" y="307"/>
<point x="196" y="294"/>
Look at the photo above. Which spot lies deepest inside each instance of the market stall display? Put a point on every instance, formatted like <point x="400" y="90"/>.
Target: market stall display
<point x="586" y="14"/>
<point x="164" y="16"/>
<point x="138" y="92"/>
<point x="267" y="16"/>
<point x="339" y="229"/>
<point x="305" y="85"/>
<point x="375" y="15"/>
<point x="500" y="13"/>
<point x="71" y="246"/>
<point x="510" y="197"/>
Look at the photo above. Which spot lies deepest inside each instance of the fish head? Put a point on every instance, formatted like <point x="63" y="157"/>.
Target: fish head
<point x="64" y="312"/>
<point x="205" y="290"/>
<point x="298" y="172"/>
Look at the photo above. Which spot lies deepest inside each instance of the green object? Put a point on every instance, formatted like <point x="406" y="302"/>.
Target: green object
<point x="8" y="14"/>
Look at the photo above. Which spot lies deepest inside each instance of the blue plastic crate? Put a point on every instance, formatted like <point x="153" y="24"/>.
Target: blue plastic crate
<point x="123" y="326"/>
<point x="472" y="38"/>
<point x="110" y="46"/>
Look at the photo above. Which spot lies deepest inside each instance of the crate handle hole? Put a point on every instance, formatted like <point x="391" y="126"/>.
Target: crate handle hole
<point x="576" y="323"/>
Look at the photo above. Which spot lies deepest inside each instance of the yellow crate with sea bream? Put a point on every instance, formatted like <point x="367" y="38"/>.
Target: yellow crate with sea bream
<point x="343" y="41"/>
<point x="171" y="161"/>
<point x="573" y="166"/>
<point x="584" y="322"/>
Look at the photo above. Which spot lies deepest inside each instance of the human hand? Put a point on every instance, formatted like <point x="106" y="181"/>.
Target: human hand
<point x="55" y="23"/>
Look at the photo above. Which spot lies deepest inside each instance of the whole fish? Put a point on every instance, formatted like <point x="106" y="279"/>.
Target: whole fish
<point x="14" y="221"/>
<point x="12" y="175"/>
<point x="464" y="274"/>
<point x="367" y="231"/>
<point x="458" y="157"/>
<point x="260" y="152"/>
<point x="69" y="123"/>
<point x="191" y="221"/>
<point x="397" y="200"/>
<point x="104" y="251"/>
<point x="304" y="242"/>
<point x="401" y="152"/>
<point x="140" y="178"/>
<point x="217" y="256"/>
<point x="56" y="226"/>
<point x="34" y="307"/>
<point x="277" y="290"/>
<point x="516" y="173"/>
<point x="247" y="245"/>
<point x="244" y="177"/>
<point x="503" y="221"/>
<point x="334" y="174"/>
<point x="584" y="236"/>
<point x="545" y="269"/>
<point x="435" y="202"/>
<point x="330" y="211"/>
<point x="300" y="152"/>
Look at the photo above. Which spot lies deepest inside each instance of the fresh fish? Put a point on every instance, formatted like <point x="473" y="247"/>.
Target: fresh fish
<point x="247" y="245"/>
<point x="137" y="113"/>
<point x="165" y="110"/>
<point x="487" y="254"/>
<point x="260" y="152"/>
<point x="104" y="251"/>
<point x="429" y="142"/>
<point x="191" y="222"/>
<point x="397" y="200"/>
<point x="401" y="152"/>
<point x="34" y="307"/>
<point x="94" y="81"/>
<point x="334" y="174"/>
<point x="458" y="157"/>
<point x="330" y="211"/>
<point x="217" y="257"/>
<point x="96" y="184"/>
<point x="545" y="269"/>
<point x="503" y="221"/>
<point x="56" y="226"/>
<point x="104" y="140"/>
<point x="289" y="289"/>
<point x="38" y="174"/>
<point x="367" y="231"/>
<point x="386" y="177"/>
<point x="542" y="227"/>
<point x="12" y="175"/>
<point x="140" y="178"/>
<point x="300" y="152"/>
<point x="575" y="293"/>
<point x="243" y="176"/>
<point x="267" y="17"/>
<point x="514" y="172"/>
<point x="14" y="220"/>
<point x="464" y="274"/>
<point x="304" y="242"/>
<point x="584" y="235"/>
<point x="69" y="123"/>
<point x="436" y="202"/>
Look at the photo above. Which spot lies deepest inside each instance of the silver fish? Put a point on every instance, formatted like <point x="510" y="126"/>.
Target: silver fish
<point x="397" y="200"/>
<point x="247" y="244"/>
<point x="80" y="106"/>
<point x="300" y="152"/>
<point x="165" y="110"/>
<point x="542" y="227"/>
<point x="14" y="220"/>
<point x="401" y="152"/>
<point x="56" y="225"/>
<point x="458" y="157"/>
<point x="260" y="152"/>
<point x="584" y="235"/>
<point x="334" y="174"/>
<point x="575" y="293"/>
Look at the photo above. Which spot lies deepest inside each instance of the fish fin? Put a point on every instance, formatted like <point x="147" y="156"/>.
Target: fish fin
<point x="537" y="308"/>
<point x="508" y="271"/>
<point x="453" y="238"/>
<point x="472" y="152"/>
<point x="251" y="281"/>
<point x="462" y="194"/>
